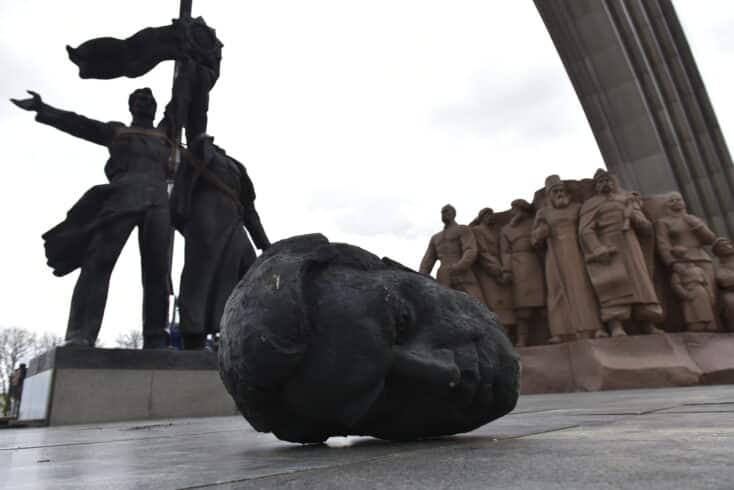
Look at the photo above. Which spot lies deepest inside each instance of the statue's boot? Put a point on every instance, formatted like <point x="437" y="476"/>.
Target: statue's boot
<point x="554" y="340"/>
<point x="650" y="329"/>
<point x="617" y="329"/>
<point x="155" y="342"/>
<point x="77" y="341"/>
<point x="600" y="334"/>
<point x="193" y="341"/>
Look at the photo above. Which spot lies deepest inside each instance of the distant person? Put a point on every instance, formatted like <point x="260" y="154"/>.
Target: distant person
<point x="174" y="336"/>
<point x="15" y="391"/>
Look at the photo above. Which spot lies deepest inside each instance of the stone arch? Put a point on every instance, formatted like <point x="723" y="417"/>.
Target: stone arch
<point x="638" y="83"/>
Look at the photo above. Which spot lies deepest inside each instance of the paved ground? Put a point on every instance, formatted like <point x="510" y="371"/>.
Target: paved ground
<point x="668" y="439"/>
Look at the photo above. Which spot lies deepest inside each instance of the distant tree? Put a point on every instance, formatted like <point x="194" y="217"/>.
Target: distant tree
<point x="45" y="342"/>
<point x="15" y="344"/>
<point x="130" y="340"/>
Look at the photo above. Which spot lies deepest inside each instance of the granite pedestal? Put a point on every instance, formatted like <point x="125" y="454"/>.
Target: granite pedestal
<point x="632" y="362"/>
<point x="72" y="385"/>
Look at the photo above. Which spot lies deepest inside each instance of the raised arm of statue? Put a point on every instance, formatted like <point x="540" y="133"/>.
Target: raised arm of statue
<point x="699" y="227"/>
<point x="468" y="250"/>
<point x="429" y="259"/>
<point x="71" y="123"/>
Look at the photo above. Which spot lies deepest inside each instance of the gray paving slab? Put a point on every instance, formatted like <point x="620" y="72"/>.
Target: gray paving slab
<point x="673" y="455"/>
<point x="701" y="408"/>
<point x="120" y="431"/>
<point x="671" y="438"/>
<point x="627" y="401"/>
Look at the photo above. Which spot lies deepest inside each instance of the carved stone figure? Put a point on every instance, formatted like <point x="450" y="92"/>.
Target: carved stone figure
<point x="697" y="301"/>
<point x="572" y="307"/>
<point x="212" y="198"/>
<point x="456" y="248"/>
<point x="681" y="237"/>
<point x="723" y="248"/>
<point x="646" y="240"/>
<point x="488" y="267"/>
<point x="521" y="266"/>
<point x="98" y="225"/>
<point x="324" y="339"/>
<point x="608" y="228"/>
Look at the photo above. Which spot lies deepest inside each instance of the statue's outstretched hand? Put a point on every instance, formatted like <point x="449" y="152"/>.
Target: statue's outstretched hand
<point x="32" y="103"/>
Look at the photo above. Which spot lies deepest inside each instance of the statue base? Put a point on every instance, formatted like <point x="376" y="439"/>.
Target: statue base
<point x="73" y="385"/>
<point x="646" y="361"/>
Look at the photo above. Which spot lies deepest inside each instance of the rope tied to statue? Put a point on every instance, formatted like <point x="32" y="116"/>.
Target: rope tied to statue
<point x="201" y="170"/>
<point x="200" y="167"/>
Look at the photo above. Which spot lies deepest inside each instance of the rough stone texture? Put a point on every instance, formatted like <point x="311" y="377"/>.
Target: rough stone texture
<point x="650" y="361"/>
<point x="322" y="339"/>
<point x="724" y="249"/>
<point x="631" y="362"/>
<point x="546" y="370"/>
<point x="671" y="439"/>
<point x="712" y="353"/>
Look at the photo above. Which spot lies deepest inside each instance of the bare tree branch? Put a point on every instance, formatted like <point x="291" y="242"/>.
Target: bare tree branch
<point x="130" y="340"/>
<point x="15" y="344"/>
<point x="45" y="342"/>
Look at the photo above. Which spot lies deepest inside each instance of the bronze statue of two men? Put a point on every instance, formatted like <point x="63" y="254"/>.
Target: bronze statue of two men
<point x="213" y="196"/>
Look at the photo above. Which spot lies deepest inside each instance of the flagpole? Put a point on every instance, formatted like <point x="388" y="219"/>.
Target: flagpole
<point x="184" y="12"/>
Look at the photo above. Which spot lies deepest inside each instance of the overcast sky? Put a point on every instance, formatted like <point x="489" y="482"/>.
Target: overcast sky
<point x="355" y="119"/>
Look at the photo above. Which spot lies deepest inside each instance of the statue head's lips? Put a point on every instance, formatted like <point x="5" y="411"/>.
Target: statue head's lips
<point x="323" y="339"/>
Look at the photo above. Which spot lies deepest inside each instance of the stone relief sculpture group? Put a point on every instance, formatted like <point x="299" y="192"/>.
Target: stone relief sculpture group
<point x="587" y="259"/>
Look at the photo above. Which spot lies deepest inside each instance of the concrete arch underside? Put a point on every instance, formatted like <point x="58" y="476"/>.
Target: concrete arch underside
<point x="635" y="75"/>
